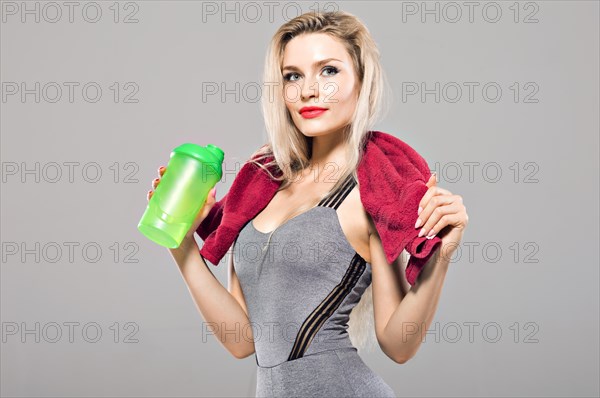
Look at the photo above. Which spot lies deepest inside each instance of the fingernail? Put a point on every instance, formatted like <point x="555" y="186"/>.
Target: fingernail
<point x="430" y="234"/>
<point x="418" y="223"/>
<point x="419" y="211"/>
<point x="421" y="232"/>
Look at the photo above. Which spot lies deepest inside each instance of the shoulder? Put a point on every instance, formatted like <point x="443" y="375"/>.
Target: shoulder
<point x="385" y="147"/>
<point x="360" y="218"/>
<point x="356" y="224"/>
<point x="390" y="169"/>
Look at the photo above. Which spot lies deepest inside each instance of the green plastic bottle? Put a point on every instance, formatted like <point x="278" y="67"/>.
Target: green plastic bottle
<point x="191" y="173"/>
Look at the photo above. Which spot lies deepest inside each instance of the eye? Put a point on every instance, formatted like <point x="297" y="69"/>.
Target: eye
<point x="333" y="69"/>
<point x="287" y="77"/>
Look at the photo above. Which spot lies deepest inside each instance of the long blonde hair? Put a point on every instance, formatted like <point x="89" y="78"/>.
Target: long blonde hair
<point x="291" y="150"/>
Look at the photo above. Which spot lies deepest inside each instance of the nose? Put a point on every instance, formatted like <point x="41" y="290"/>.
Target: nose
<point x="310" y="88"/>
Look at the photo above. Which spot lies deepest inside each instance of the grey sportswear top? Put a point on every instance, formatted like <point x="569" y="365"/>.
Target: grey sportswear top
<point x="301" y="289"/>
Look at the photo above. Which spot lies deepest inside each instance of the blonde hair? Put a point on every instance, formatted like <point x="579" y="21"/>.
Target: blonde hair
<point x="291" y="150"/>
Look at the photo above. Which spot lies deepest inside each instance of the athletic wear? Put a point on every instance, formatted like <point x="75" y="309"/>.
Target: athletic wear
<point x="392" y="180"/>
<point x="299" y="293"/>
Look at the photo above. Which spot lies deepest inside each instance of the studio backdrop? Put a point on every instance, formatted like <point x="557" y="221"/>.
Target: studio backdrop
<point x="501" y="99"/>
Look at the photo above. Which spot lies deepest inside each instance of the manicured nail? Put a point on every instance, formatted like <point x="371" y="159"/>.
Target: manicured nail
<point x="421" y="232"/>
<point x="430" y="234"/>
<point x="418" y="223"/>
<point x="420" y="210"/>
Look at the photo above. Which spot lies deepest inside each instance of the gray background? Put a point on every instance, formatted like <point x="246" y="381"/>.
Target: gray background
<point x="540" y="291"/>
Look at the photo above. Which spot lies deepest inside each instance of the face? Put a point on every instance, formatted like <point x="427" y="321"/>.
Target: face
<point x="318" y="72"/>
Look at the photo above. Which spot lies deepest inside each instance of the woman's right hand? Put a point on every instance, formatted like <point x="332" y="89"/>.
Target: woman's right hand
<point x="202" y="213"/>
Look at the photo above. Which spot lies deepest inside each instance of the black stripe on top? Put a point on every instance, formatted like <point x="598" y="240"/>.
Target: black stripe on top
<point x="336" y="199"/>
<point x="327" y="307"/>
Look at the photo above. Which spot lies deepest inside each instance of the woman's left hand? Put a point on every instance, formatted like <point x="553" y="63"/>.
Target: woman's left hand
<point x="443" y="215"/>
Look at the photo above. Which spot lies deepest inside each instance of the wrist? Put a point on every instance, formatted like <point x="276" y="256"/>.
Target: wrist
<point x="190" y="236"/>
<point x="186" y="243"/>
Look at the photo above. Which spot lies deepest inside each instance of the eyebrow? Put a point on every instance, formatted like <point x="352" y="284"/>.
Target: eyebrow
<point x="318" y="63"/>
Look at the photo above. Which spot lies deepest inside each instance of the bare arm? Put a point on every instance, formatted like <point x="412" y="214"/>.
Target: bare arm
<point x="403" y="316"/>
<point x="223" y="310"/>
<point x="224" y="314"/>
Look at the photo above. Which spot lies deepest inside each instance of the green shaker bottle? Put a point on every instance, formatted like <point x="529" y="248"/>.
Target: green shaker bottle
<point x="191" y="173"/>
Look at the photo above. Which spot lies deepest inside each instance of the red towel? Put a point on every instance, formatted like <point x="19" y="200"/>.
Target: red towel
<point x="391" y="179"/>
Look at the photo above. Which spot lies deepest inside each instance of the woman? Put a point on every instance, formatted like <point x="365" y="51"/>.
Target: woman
<point x="328" y="93"/>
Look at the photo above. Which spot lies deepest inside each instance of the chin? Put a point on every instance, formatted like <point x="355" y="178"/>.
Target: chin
<point x="316" y="130"/>
<point x="315" y="133"/>
<point x="321" y="133"/>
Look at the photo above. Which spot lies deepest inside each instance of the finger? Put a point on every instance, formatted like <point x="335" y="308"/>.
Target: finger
<point x="431" y="192"/>
<point x="432" y="180"/>
<point x="452" y="219"/>
<point x="435" y="209"/>
<point x="210" y="198"/>
<point x="212" y="195"/>
<point x="445" y="206"/>
<point x="210" y="201"/>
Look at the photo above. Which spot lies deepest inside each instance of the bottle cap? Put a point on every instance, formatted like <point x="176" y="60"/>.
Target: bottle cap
<point x="211" y="154"/>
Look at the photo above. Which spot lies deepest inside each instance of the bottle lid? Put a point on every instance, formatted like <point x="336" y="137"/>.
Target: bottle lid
<point x="210" y="154"/>
<point x="218" y="152"/>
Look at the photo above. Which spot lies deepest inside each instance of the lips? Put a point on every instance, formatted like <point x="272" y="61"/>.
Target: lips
<point x="309" y="112"/>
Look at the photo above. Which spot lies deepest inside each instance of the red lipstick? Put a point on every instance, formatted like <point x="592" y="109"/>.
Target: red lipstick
<point x="309" y="112"/>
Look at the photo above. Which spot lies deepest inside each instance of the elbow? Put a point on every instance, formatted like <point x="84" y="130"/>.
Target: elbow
<point x="400" y="360"/>
<point x="401" y="357"/>
<point x="407" y="356"/>
<point x="239" y="354"/>
<point x="396" y="355"/>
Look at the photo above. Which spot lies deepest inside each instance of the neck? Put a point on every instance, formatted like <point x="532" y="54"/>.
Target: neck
<point x="328" y="155"/>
